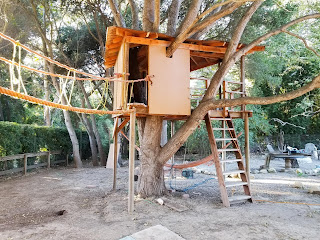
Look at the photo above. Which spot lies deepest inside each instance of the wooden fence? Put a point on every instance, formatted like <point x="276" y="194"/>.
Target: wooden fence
<point x="25" y="157"/>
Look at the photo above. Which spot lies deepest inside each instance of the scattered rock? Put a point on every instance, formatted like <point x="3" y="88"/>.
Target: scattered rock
<point x="298" y="185"/>
<point x="61" y="212"/>
<point x="160" y="201"/>
<point x="314" y="189"/>
<point x="185" y="196"/>
<point x="272" y="170"/>
<point x="263" y="171"/>
<point x="252" y="177"/>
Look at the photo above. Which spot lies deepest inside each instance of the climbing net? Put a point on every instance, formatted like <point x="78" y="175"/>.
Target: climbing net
<point x="18" y="89"/>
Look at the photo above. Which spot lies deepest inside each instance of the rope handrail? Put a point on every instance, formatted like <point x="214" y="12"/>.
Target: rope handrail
<point x="68" y="77"/>
<point x="93" y="77"/>
<point x="35" y="100"/>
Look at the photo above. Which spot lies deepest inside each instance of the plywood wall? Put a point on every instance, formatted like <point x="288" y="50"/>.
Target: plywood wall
<point x="118" y="86"/>
<point x="169" y="93"/>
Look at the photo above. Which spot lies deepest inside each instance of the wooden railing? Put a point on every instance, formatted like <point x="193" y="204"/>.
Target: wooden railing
<point x="25" y="157"/>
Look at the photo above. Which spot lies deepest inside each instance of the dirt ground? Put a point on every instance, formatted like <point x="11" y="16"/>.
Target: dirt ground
<point x="30" y="207"/>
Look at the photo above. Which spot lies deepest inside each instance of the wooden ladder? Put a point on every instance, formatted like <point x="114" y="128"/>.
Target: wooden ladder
<point x="227" y="188"/>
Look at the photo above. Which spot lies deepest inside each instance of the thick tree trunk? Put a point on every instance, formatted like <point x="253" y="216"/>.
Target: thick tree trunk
<point x="102" y="154"/>
<point x="151" y="179"/>
<point x="92" y="139"/>
<point x="73" y="138"/>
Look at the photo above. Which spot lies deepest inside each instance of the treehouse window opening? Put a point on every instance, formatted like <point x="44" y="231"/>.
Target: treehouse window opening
<point x="138" y="69"/>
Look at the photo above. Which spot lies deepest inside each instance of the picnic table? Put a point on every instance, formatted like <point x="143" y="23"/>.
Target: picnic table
<point x="289" y="157"/>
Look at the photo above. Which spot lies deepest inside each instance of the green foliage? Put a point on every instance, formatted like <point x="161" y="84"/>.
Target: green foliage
<point x="22" y="138"/>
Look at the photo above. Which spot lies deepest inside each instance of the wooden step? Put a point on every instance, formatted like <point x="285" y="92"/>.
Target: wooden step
<point x="228" y="150"/>
<point x="222" y="129"/>
<point x="220" y="119"/>
<point x="231" y="160"/>
<point x="226" y="139"/>
<point x="233" y="172"/>
<point x="236" y="184"/>
<point x="239" y="198"/>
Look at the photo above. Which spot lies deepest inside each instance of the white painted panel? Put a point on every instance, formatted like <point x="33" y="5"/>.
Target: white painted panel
<point x="169" y="93"/>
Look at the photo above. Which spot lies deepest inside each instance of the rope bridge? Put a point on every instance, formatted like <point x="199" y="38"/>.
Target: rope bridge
<point x="17" y="84"/>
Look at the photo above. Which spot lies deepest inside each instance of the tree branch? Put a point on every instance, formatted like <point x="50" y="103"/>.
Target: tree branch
<point x="156" y="23"/>
<point x="135" y="15"/>
<point x="304" y="42"/>
<point x="200" y="26"/>
<point x="148" y="15"/>
<point x="116" y="13"/>
<point x="236" y="36"/>
<point x="173" y="13"/>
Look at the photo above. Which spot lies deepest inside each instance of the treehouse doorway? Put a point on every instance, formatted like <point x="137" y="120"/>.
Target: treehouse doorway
<point x="138" y="69"/>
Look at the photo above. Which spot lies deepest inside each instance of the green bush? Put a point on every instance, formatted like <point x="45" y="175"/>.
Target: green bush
<point x="23" y="138"/>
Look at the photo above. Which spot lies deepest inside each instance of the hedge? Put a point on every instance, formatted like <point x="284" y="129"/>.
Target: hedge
<point x="23" y="138"/>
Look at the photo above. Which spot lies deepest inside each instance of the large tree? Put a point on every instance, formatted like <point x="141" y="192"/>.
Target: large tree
<point x="197" y="19"/>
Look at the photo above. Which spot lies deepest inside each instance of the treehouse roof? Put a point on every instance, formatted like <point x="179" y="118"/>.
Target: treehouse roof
<point x="203" y="53"/>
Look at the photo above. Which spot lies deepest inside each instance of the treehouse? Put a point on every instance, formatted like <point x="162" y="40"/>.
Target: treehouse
<point x="162" y="86"/>
<point x="168" y="92"/>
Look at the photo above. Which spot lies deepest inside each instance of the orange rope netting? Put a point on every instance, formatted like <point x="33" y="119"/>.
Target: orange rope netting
<point x="31" y="99"/>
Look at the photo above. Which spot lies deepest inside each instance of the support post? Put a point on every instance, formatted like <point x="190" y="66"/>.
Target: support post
<point x="247" y="144"/>
<point x="67" y="159"/>
<point x="172" y="133"/>
<point x="243" y="80"/>
<point x="115" y="158"/>
<point x="25" y="160"/>
<point x="48" y="160"/>
<point x="131" y="161"/>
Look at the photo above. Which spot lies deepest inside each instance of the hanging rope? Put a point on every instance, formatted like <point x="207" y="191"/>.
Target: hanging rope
<point x="91" y="76"/>
<point x="31" y="99"/>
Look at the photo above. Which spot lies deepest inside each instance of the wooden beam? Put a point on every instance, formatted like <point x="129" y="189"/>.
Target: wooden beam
<point x="115" y="153"/>
<point x="131" y="161"/>
<point x="215" y="156"/>
<point x="247" y="145"/>
<point x="207" y="55"/>
<point x="124" y="122"/>
<point x="25" y="162"/>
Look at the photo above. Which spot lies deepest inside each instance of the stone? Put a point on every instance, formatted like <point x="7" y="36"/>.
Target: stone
<point x="298" y="184"/>
<point x="255" y="171"/>
<point x="313" y="189"/>
<point x="160" y="201"/>
<point x="263" y="171"/>
<point x="185" y="196"/>
<point x="272" y="170"/>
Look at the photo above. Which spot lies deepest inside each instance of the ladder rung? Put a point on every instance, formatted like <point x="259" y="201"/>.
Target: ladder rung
<point x="228" y="150"/>
<point x="220" y="119"/>
<point x="221" y="129"/>
<point x="239" y="198"/>
<point x="231" y="160"/>
<point x="235" y="92"/>
<point x="236" y="184"/>
<point x="234" y="82"/>
<point x="234" y="172"/>
<point x="225" y="139"/>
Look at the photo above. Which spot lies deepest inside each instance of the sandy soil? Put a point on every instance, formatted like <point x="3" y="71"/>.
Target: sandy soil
<point x="30" y="206"/>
